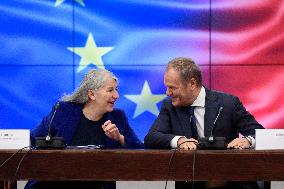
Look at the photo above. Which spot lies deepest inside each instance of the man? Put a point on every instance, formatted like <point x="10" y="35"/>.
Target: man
<point x="191" y="111"/>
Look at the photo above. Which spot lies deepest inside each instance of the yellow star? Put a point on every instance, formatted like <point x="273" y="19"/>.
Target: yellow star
<point x="90" y="54"/>
<point x="59" y="2"/>
<point x="146" y="101"/>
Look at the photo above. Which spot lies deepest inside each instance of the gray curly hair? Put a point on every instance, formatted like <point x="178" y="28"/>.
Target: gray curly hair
<point x="93" y="80"/>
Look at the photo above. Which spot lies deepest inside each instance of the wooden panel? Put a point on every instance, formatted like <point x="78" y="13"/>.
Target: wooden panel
<point x="144" y="165"/>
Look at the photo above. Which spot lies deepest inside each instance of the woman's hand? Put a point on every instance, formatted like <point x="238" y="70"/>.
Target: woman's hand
<point x="112" y="132"/>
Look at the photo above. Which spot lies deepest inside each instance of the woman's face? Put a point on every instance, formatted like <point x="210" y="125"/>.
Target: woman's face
<point x="105" y="97"/>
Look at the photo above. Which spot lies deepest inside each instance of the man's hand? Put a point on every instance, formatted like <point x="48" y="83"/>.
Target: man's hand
<point x="112" y="132"/>
<point x="187" y="144"/>
<point x="239" y="143"/>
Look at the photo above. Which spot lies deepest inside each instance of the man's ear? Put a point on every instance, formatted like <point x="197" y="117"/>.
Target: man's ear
<point x="91" y="95"/>
<point x="193" y="83"/>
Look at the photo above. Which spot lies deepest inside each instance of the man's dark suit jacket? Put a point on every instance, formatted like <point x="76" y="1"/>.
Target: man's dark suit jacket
<point x="174" y="121"/>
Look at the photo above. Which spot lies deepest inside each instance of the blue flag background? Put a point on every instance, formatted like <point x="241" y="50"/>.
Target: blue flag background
<point x="48" y="46"/>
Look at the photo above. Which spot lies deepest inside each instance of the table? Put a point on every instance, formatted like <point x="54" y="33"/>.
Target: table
<point x="142" y="165"/>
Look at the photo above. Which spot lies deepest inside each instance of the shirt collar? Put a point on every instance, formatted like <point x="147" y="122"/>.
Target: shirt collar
<point x="200" y="100"/>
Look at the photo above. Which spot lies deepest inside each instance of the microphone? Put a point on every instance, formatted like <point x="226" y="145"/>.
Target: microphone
<point x="50" y="142"/>
<point x="211" y="142"/>
<point x="211" y="137"/>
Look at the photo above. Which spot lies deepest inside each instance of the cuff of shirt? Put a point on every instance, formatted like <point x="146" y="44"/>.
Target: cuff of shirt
<point x="174" y="141"/>
<point x="252" y="141"/>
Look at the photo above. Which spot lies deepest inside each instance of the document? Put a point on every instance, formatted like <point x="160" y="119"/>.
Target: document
<point x="14" y="138"/>
<point x="269" y="139"/>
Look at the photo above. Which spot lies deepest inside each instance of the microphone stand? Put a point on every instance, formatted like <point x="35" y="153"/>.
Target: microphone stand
<point x="211" y="142"/>
<point x="49" y="142"/>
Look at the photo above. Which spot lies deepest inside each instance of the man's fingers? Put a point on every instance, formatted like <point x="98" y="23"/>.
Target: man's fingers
<point x="188" y="146"/>
<point x="239" y="143"/>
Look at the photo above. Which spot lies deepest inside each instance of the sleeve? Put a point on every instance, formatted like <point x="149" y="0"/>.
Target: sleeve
<point x="42" y="129"/>
<point x="131" y="140"/>
<point x="246" y="123"/>
<point x="160" y="134"/>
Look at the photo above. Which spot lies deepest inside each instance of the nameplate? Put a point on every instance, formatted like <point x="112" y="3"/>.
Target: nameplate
<point x="269" y="139"/>
<point x="14" y="138"/>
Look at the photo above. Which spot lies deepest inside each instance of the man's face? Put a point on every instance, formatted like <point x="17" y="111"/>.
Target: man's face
<point x="181" y="92"/>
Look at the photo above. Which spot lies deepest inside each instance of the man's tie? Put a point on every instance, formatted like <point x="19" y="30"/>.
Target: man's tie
<point x="193" y="122"/>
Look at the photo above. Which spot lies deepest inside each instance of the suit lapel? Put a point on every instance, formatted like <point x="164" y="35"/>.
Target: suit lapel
<point x="211" y="110"/>
<point x="184" y="119"/>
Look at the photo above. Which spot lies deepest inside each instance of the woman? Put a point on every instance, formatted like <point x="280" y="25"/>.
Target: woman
<point x="88" y="117"/>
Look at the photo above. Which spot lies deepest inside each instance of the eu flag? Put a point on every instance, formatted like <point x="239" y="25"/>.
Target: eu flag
<point x="48" y="45"/>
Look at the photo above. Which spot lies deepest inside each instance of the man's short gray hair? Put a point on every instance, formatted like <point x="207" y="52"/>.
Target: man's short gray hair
<point x="93" y="80"/>
<point x="187" y="69"/>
